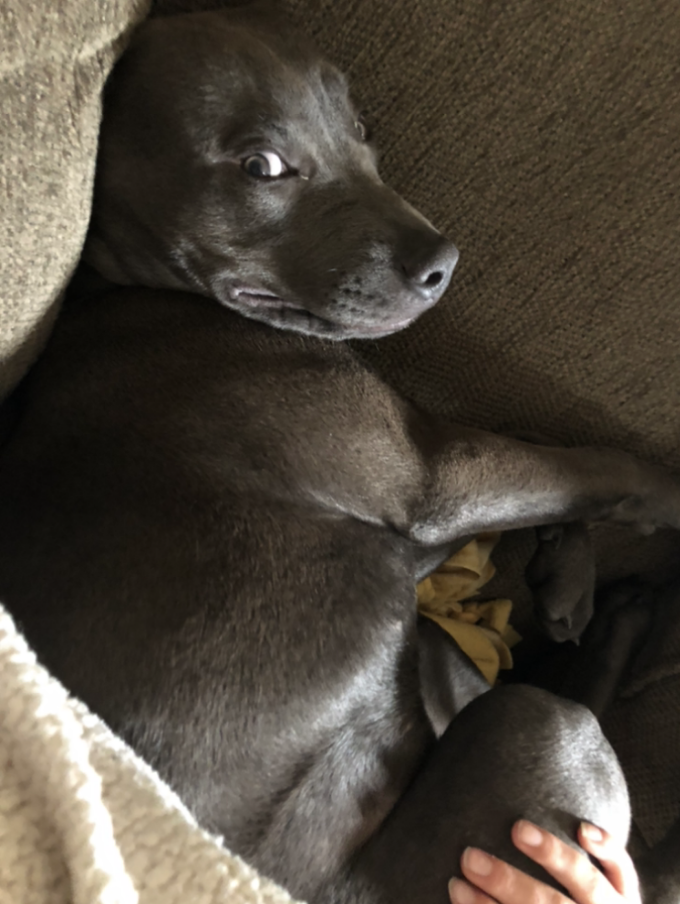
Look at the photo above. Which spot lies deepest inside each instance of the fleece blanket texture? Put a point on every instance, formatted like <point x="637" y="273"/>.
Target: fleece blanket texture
<point x="83" y="820"/>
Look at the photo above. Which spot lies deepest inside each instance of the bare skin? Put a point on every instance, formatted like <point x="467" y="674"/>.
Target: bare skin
<point x="491" y="881"/>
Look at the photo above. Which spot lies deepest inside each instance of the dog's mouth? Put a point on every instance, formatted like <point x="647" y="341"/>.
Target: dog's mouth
<point x="268" y="307"/>
<point x="261" y="298"/>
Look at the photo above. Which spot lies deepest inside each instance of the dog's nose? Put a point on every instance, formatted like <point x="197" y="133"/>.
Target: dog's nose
<point x="428" y="268"/>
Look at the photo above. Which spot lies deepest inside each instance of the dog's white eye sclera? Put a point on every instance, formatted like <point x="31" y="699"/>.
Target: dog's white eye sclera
<point x="265" y="165"/>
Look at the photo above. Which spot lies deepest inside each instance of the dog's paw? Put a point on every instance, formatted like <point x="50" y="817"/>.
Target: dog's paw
<point x="610" y="645"/>
<point x="652" y="499"/>
<point x="561" y="576"/>
<point x="625" y="606"/>
<point x="623" y="617"/>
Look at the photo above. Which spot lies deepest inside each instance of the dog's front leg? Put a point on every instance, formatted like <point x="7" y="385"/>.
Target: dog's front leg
<point x="467" y="480"/>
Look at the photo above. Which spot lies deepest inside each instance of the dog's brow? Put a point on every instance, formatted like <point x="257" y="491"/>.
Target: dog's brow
<point x="273" y="127"/>
<point x="334" y="81"/>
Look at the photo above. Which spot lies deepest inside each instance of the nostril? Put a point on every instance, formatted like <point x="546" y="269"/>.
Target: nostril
<point x="428" y="269"/>
<point x="434" y="279"/>
<point x="423" y="277"/>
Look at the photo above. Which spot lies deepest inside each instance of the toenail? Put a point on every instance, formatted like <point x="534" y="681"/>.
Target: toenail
<point x="477" y="862"/>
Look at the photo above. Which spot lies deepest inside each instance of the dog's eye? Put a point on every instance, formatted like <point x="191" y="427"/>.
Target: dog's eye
<point x="265" y="165"/>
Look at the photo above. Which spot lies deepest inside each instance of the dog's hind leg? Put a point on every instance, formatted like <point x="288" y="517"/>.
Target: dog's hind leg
<point x="625" y="612"/>
<point x="561" y="576"/>
<point x="449" y="679"/>
<point x="623" y="616"/>
<point x="513" y="752"/>
<point x="659" y="870"/>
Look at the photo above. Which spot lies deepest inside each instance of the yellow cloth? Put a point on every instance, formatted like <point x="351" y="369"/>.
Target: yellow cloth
<point x="482" y="630"/>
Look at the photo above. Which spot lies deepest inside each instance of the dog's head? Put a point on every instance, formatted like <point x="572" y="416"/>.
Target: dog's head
<point x="234" y="164"/>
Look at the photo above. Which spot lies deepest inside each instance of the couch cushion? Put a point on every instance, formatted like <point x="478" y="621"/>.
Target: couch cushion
<point x="54" y="59"/>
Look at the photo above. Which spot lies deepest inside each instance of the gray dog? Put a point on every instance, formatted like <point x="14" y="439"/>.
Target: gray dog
<point x="211" y="528"/>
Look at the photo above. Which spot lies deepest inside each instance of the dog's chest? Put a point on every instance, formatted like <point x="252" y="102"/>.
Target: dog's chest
<point x="230" y="485"/>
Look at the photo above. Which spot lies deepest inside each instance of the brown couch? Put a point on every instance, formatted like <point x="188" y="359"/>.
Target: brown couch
<point x="545" y="140"/>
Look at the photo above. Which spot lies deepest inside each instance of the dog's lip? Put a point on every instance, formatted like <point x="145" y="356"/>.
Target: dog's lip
<point x="263" y="303"/>
<point x="262" y="297"/>
<point x="386" y="329"/>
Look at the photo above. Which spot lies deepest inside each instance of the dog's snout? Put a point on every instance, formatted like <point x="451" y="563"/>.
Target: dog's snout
<point x="428" y="267"/>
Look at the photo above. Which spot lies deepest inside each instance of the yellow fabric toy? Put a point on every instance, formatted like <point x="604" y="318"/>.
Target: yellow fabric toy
<point x="480" y="629"/>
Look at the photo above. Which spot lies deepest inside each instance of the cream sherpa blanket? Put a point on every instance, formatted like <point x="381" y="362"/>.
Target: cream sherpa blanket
<point x="83" y="820"/>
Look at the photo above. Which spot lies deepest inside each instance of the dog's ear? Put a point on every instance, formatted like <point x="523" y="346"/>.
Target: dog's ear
<point x="177" y="7"/>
